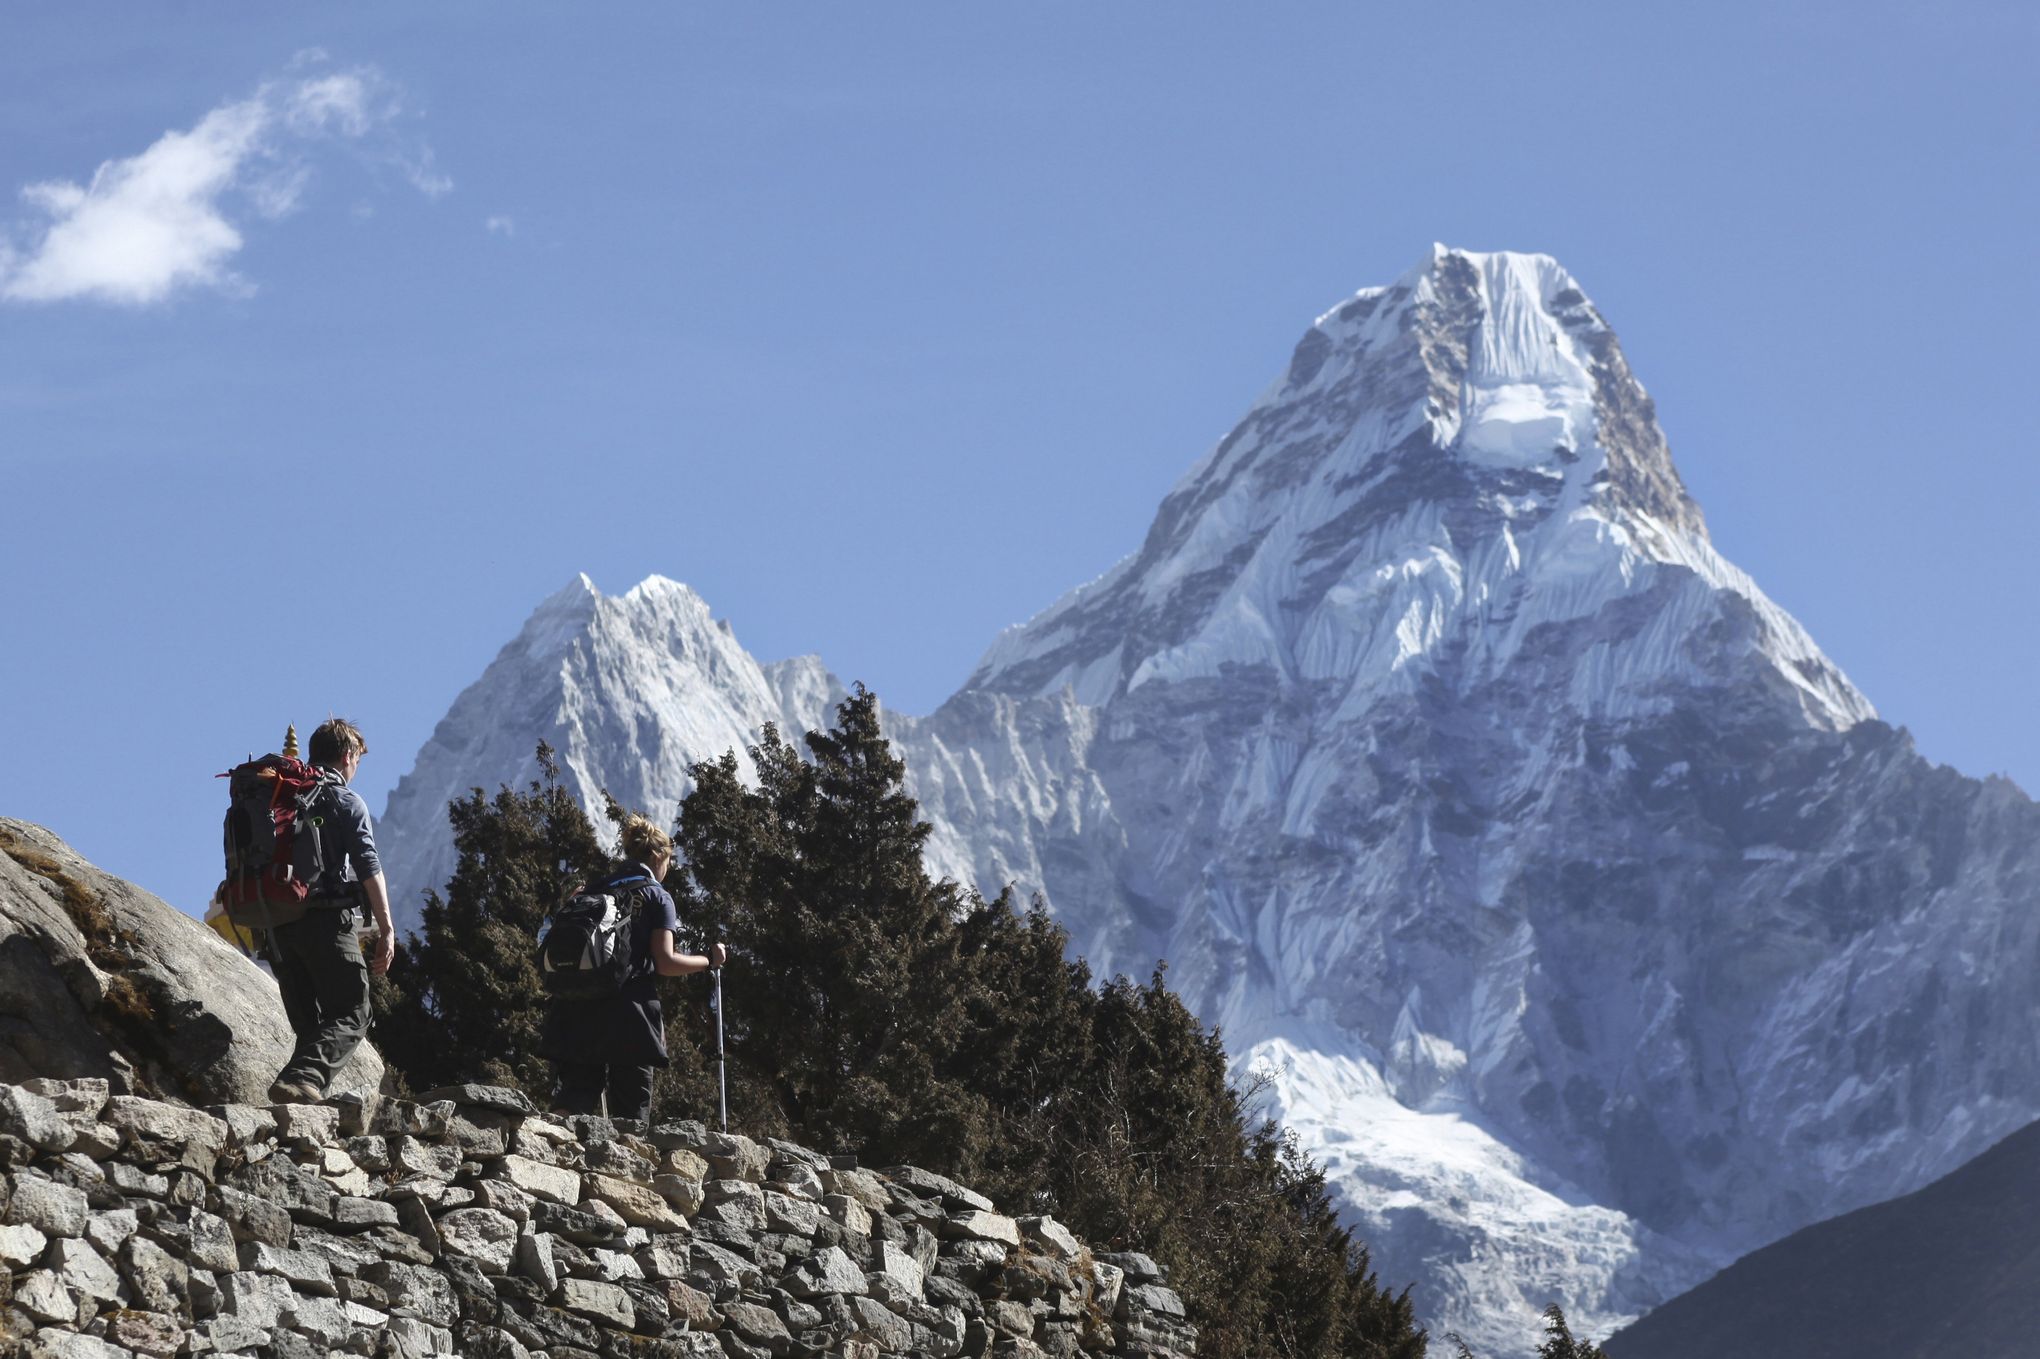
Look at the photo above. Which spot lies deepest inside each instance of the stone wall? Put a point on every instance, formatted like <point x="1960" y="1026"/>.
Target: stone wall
<point x="467" y="1223"/>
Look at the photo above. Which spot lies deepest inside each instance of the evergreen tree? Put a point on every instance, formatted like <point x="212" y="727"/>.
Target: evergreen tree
<point x="876" y="1010"/>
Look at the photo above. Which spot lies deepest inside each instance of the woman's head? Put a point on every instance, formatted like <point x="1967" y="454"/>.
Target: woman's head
<point x="645" y="842"/>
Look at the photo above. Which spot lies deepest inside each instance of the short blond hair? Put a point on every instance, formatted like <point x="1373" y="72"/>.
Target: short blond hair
<point x="335" y="740"/>
<point x="644" y="840"/>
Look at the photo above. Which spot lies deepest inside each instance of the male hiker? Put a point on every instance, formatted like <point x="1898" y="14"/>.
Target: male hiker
<point x="317" y="959"/>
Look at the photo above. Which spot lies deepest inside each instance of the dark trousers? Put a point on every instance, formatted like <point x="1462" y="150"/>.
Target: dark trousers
<point x="582" y="1085"/>
<point x="324" y="980"/>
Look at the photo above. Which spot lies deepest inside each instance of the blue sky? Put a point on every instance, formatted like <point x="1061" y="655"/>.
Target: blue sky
<point x="884" y="325"/>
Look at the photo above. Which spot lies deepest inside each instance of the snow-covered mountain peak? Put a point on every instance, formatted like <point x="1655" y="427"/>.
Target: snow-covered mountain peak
<point x="628" y="689"/>
<point x="1450" y="463"/>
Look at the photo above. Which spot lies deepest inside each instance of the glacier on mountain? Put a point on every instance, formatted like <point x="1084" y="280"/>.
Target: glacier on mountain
<point x="1579" y="915"/>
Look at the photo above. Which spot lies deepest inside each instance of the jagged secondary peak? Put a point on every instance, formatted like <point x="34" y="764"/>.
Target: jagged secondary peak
<point x="628" y="690"/>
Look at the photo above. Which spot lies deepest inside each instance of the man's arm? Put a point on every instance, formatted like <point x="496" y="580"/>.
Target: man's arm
<point x="359" y="835"/>
<point x="377" y="889"/>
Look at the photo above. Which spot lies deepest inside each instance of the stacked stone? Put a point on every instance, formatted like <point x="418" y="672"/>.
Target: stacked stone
<point x="468" y="1223"/>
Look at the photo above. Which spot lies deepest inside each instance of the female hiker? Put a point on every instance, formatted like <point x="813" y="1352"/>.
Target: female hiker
<point x="611" y="1043"/>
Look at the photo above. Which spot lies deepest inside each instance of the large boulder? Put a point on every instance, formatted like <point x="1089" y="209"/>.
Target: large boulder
<point x="100" y="978"/>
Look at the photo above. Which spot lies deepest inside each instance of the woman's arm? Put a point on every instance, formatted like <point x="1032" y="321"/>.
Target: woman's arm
<point x="671" y="964"/>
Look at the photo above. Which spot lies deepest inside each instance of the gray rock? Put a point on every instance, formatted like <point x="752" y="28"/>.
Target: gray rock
<point x="252" y="1218"/>
<point x="799" y="1182"/>
<point x="849" y="1213"/>
<point x="151" y="1333"/>
<point x="34" y="1119"/>
<point x="538" y="1179"/>
<point x="1009" y="1317"/>
<point x="135" y="1182"/>
<point x="157" y="1280"/>
<point x="1138" y="1268"/>
<point x="43" y="1296"/>
<point x="890" y="1262"/>
<point x="733" y="1157"/>
<point x="71" y="1345"/>
<point x="304" y="1270"/>
<point x="603" y="1303"/>
<point x="827" y="1273"/>
<point x="20" y="1246"/>
<point x="481" y="1234"/>
<point x="614" y="1158"/>
<point x="319" y="1123"/>
<point x="261" y="1300"/>
<point x="718" y="1267"/>
<point x="664" y="1258"/>
<point x="229" y="1335"/>
<point x="298" y="1192"/>
<point x="693" y="1345"/>
<point x="414" y="1220"/>
<point x="215" y="1030"/>
<point x="636" y="1204"/>
<point x="415" y="1156"/>
<point x="212" y="1242"/>
<point x="86" y="1095"/>
<point x="861" y="1185"/>
<point x="795" y="1216"/>
<point x="505" y="1198"/>
<point x="1151" y="1298"/>
<point x="479" y="1133"/>
<point x="1051" y="1237"/>
<point x="355" y="1214"/>
<point x="107" y="1228"/>
<point x="574" y="1224"/>
<point x="411" y="1338"/>
<point x="205" y="1295"/>
<point x="482" y="1097"/>
<point x="930" y="1185"/>
<point x="361" y="1291"/>
<point x="878" y="1322"/>
<point x="534" y="1260"/>
<point x="82" y="1269"/>
<point x="407" y="1118"/>
<point x="246" y="1126"/>
<point x="982" y="1226"/>
<point x="92" y="1139"/>
<point x="322" y="1319"/>
<point x="614" y="1266"/>
<point x="759" y="1325"/>
<point x="416" y="1290"/>
<point x="51" y="1208"/>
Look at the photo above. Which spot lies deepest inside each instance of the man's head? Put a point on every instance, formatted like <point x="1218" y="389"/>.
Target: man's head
<point x="337" y="744"/>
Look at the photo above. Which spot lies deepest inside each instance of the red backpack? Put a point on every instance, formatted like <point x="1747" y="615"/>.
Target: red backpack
<point x="272" y="840"/>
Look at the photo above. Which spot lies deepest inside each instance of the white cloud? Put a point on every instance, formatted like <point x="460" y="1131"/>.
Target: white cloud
<point x="500" y="226"/>
<point x="162" y="222"/>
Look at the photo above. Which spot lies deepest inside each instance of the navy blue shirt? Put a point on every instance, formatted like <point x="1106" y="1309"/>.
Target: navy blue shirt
<point x="346" y="837"/>
<point x="628" y="1028"/>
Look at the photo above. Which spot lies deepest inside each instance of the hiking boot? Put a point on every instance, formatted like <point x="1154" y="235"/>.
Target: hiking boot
<point x="290" y="1091"/>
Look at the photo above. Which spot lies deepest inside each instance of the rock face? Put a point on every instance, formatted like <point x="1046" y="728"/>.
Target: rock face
<point x="99" y="979"/>
<point x="1592" y="929"/>
<point x="290" y="1231"/>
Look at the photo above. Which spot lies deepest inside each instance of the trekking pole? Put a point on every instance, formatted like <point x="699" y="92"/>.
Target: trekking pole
<point x="722" y="1085"/>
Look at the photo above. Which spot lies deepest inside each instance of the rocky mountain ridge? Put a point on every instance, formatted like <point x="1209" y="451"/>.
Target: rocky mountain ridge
<point x="1589" y="926"/>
